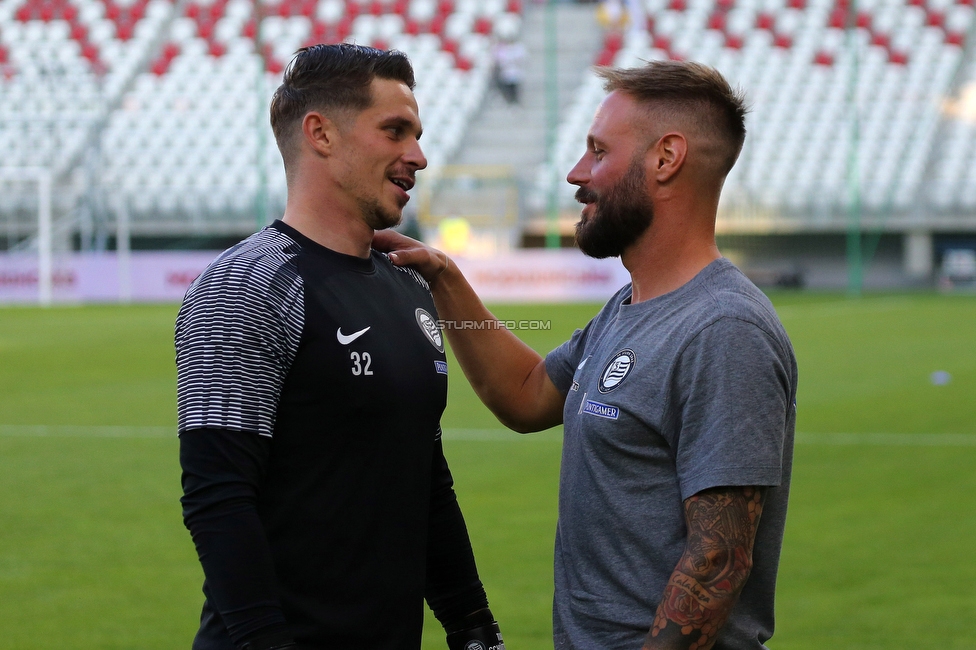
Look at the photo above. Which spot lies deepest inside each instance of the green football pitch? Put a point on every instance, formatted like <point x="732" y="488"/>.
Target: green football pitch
<point x="879" y="543"/>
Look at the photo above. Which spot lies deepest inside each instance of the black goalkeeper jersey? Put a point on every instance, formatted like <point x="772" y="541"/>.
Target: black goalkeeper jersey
<point x="310" y="389"/>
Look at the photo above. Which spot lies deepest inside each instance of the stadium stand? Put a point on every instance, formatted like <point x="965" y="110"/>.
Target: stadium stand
<point x="804" y="65"/>
<point x="163" y="103"/>
<point x="954" y="177"/>
<point x="174" y="96"/>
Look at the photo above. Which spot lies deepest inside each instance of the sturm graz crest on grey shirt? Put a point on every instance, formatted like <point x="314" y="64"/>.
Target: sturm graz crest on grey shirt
<point x="617" y="370"/>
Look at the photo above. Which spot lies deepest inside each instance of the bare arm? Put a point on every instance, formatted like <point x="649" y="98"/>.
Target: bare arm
<point x="508" y="375"/>
<point x="716" y="563"/>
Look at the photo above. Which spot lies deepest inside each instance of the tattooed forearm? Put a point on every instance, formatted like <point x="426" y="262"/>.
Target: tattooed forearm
<point x="710" y="574"/>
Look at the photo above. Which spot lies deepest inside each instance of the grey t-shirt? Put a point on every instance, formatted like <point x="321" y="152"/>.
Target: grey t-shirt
<point x="691" y="390"/>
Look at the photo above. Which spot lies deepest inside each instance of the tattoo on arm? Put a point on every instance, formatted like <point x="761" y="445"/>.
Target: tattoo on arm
<point x="710" y="575"/>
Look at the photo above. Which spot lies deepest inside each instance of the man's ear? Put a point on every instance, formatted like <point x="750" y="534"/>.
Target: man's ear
<point x="668" y="156"/>
<point x="320" y="132"/>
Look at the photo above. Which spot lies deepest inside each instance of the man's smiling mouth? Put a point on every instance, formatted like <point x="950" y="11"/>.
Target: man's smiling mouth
<point x="403" y="183"/>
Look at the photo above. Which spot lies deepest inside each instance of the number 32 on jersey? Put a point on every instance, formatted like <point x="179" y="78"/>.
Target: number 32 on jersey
<point x="360" y="363"/>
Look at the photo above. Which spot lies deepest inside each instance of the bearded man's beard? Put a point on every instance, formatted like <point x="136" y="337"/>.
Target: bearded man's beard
<point x="619" y="217"/>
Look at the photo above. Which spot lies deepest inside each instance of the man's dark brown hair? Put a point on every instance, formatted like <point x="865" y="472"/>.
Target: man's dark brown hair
<point x="332" y="79"/>
<point x="692" y="90"/>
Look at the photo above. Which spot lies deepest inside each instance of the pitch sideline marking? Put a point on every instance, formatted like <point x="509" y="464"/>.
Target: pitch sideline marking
<point x="870" y="439"/>
<point x="84" y="431"/>
<point x="889" y="439"/>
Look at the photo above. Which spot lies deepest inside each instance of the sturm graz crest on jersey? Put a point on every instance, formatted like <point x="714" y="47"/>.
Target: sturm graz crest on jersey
<point x="429" y="327"/>
<point x="617" y="370"/>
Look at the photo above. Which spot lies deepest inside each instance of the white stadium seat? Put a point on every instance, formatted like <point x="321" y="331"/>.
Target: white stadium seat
<point x="795" y="61"/>
<point x="184" y="99"/>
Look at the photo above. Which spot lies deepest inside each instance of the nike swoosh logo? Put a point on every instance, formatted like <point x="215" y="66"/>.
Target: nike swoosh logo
<point x="346" y="340"/>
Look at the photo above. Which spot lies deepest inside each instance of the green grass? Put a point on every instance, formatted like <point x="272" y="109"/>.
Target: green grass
<point x="878" y="550"/>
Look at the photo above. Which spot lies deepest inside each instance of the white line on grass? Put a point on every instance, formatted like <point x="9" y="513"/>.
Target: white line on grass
<point x="95" y="431"/>
<point x="872" y="439"/>
<point x="889" y="439"/>
<point x="504" y="435"/>
<point x="81" y="431"/>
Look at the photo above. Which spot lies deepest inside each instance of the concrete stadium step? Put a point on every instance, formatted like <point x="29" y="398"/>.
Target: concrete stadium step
<point x="504" y="134"/>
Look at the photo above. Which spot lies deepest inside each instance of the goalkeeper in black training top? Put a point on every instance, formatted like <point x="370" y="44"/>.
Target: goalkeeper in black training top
<point x="311" y="382"/>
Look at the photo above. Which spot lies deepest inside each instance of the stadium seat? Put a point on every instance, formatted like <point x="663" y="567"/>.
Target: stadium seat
<point x="176" y="94"/>
<point x="808" y="68"/>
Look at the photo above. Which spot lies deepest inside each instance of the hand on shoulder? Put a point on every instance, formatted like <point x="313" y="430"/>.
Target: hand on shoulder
<point x="404" y="251"/>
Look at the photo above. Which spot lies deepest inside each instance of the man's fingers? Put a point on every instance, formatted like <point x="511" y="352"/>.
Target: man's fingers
<point x="401" y="249"/>
<point x="404" y="251"/>
<point x="390" y="240"/>
<point x="409" y="257"/>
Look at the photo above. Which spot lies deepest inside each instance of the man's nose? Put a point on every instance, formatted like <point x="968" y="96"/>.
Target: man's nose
<point x="415" y="156"/>
<point x="578" y="175"/>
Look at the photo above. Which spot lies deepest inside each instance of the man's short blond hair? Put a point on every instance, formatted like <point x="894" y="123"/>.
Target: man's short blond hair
<point x="693" y="91"/>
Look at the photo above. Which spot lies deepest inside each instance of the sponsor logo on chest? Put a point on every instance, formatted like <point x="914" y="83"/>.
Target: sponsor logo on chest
<point x="600" y="410"/>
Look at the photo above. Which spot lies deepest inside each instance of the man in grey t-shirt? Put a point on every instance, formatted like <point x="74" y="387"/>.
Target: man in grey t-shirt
<point x="678" y="398"/>
<point x="668" y="398"/>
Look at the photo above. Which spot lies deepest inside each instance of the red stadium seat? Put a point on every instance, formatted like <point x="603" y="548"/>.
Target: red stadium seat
<point x="717" y="21"/>
<point x="274" y="66"/>
<point x="605" y="58"/>
<point x="838" y="18"/>
<point x="436" y="25"/>
<point x="344" y="28"/>
<point x="124" y="30"/>
<point x="483" y="25"/>
<point x="823" y="58"/>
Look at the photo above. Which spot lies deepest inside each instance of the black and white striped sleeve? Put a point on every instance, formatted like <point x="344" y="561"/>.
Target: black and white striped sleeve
<point x="237" y="334"/>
